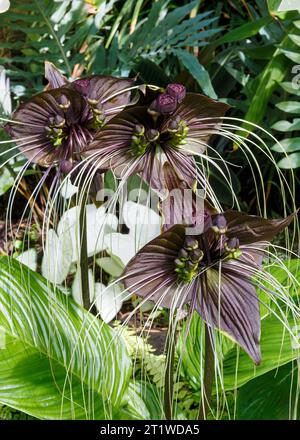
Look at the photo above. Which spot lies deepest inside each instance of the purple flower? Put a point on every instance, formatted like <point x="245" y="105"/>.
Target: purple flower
<point x="212" y="272"/>
<point x="54" y="126"/>
<point x="144" y="139"/>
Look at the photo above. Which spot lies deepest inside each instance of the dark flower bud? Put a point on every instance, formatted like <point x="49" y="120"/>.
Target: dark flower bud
<point x="56" y="131"/>
<point x="82" y="86"/>
<point x="152" y="135"/>
<point x="66" y="167"/>
<point x="173" y="125"/>
<point x="179" y="263"/>
<point x="231" y="247"/>
<point x="139" y="129"/>
<point x="59" y="121"/>
<point x="219" y="224"/>
<point x="178" y="91"/>
<point x="190" y="244"/>
<point x="191" y="266"/>
<point x="183" y="254"/>
<point x="64" y="103"/>
<point x="232" y="244"/>
<point x="51" y="121"/>
<point x="164" y="104"/>
<point x="196" y="255"/>
<point x="93" y="102"/>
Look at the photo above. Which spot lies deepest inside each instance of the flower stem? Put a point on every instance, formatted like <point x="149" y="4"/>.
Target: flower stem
<point x="209" y="368"/>
<point x="169" y="372"/>
<point x="84" y="267"/>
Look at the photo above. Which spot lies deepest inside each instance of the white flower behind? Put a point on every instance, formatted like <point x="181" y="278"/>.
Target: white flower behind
<point x="28" y="258"/>
<point x="4" y="6"/>
<point x="144" y="224"/>
<point x="5" y="98"/>
<point x="62" y="246"/>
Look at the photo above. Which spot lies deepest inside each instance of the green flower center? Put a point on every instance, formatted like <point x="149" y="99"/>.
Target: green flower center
<point x="190" y="256"/>
<point x="188" y="259"/>
<point x="141" y="140"/>
<point x="56" y="131"/>
<point x="178" y="131"/>
<point x="98" y="114"/>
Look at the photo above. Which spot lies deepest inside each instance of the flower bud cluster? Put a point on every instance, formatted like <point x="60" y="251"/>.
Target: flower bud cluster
<point x="188" y="259"/>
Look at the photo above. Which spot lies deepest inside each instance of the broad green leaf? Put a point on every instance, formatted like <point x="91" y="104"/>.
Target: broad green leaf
<point x="151" y="73"/>
<point x="71" y="342"/>
<point x="272" y="396"/>
<point x="32" y="382"/>
<point x="285" y="126"/>
<point x="291" y="55"/>
<point x="141" y="402"/>
<point x="273" y="5"/>
<point x="289" y="106"/>
<point x="285" y="273"/>
<point x="245" y="31"/>
<point x="287" y="145"/>
<point x="290" y="162"/>
<point x="197" y="71"/>
<point x="6" y="180"/>
<point x="112" y="265"/>
<point x="276" y="349"/>
<point x="268" y="80"/>
<point x="295" y="38"/>
<point x="284" y="9"/>
<point x="291" y="88"/>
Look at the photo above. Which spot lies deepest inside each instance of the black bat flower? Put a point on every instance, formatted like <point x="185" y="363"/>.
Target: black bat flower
<point x="54" y="126"/>
<point x="213" y="272"/>
<point x="143" y="139"/>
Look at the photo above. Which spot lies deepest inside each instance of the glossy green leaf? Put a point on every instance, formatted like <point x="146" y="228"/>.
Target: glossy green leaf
<point x="267" y="81"/>
<point x="276" y="349"/>
<point x="295" y="38"/>
<point x="285" y="126"/>
<point x="32" y="382"/>
<point x="291" y="88"/>
<point x="245" y="31"/>
<point x="290" y="162"/>
<point x="68" y="342"/>
<point x="197" y="71"/>
<point x="272" y="396"/>
<point x="287" y="145"/>
<point x="141" y="402"/>
<point x="289" y="106"/>
<point x="291" y="55"/>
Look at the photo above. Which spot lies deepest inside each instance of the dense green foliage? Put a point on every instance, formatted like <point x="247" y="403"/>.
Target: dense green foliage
<point x="57" y="360"/>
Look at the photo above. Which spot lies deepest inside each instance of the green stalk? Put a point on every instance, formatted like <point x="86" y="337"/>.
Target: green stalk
<point x="169" y="372"/>
<point x="209" y="368"/>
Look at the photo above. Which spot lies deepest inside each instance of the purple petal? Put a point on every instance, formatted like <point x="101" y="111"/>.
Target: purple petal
<point x="230" y="303"/>
<point x="53" y="75"/>
<point x="251" y="229"/>
<point x="151" y="273"/>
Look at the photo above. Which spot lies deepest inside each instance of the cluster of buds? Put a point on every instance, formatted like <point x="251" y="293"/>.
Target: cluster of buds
<point x="188" y="259"/>
<point x="55" y="131"/>
<point x="141" y="139"/>
<point x="98" y="114"/>
<point x="167" y="103"/>
<point x="232" y="249"/>
<point x="231" y="245"/>
<point x="178" y="131"/>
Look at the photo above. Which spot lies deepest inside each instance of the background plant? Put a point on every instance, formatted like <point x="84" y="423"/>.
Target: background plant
<point x="242" y="53"/>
